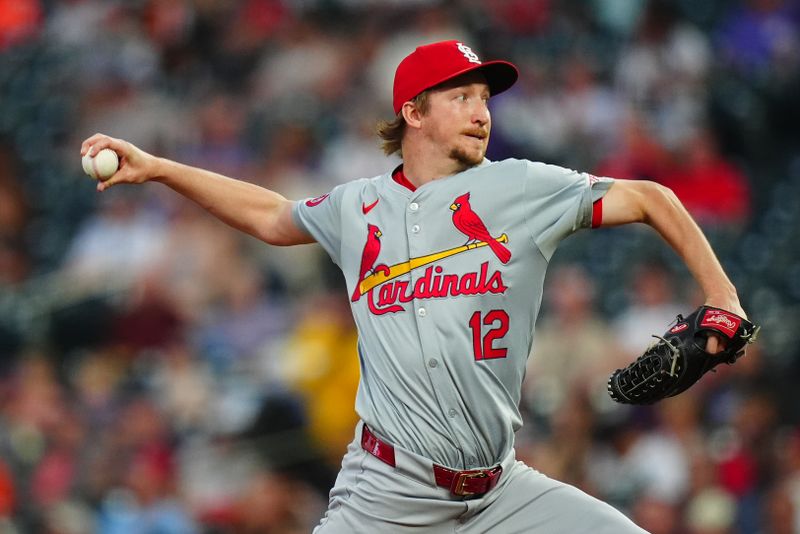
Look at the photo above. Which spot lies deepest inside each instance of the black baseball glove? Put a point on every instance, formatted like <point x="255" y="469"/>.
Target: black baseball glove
<point x="678" y="358"/>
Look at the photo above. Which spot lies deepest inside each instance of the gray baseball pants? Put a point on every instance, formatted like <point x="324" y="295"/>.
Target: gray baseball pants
<point x="371" y="496"/>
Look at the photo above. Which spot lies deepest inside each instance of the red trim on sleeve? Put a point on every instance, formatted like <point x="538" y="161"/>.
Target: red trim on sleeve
<point x="597" y="213"/>
<point x="399" y="176"/>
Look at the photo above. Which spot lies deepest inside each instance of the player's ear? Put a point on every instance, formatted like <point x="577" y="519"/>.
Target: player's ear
<point x="412" y="114"/>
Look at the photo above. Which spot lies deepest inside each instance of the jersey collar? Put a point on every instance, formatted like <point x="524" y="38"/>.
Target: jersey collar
<point x="400" y="177"/>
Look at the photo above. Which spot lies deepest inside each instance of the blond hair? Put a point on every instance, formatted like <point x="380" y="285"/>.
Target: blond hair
<point x="391" y="132"/>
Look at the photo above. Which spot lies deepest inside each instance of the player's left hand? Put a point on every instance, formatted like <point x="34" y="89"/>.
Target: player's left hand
<point x="715" y="342"/>
<point x="676" y="361"/>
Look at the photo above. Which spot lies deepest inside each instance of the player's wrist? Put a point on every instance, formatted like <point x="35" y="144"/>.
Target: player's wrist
<point x="727" y="299"/>
<point x="159" y="170"/>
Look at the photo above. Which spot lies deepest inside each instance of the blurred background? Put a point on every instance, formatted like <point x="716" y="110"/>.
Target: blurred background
<point x="161" y="373"/>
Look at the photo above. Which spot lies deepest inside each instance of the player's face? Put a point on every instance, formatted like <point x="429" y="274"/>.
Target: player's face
<point x="458" y="119"/>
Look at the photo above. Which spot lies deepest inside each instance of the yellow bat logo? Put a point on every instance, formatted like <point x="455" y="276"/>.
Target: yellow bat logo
<point x="399" y="269"/>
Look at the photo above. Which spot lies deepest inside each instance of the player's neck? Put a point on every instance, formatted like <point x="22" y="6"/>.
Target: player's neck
<point x="421" y="167"/>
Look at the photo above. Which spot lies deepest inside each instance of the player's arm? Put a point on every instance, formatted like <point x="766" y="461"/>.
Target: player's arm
<point x="255" y="210"/>
<point x="630" y="201"/>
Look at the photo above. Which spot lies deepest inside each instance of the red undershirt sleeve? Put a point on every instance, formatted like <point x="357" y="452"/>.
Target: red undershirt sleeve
<point x="597" y="213"/>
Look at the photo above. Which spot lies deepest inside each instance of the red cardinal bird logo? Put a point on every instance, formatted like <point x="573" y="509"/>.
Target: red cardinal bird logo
<point x="371" y="250"/>
<point x="470" y="224"/>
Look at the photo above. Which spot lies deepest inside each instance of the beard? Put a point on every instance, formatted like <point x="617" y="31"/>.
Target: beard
<point x="467" y="159"/>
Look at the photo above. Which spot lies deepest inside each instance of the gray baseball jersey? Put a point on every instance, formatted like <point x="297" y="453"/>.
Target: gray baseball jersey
<point x="446" y="283"/>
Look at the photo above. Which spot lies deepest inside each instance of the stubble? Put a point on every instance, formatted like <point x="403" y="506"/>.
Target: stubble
<point x="466" y="159"/>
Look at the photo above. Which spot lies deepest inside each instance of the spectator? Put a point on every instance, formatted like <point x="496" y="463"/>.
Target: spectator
<point x="220" y="127"/>
<point x="653" y="305"/>
<point x="712" y="511"/>
<point x="7" y="492"/>
<point x="20" y="20"/>
<point x="15" y="264"/>
<point x="639" y="155"/>
<point x="662" y="72"/>
<point x="574" y="348"/>
<point x="759" y="35"/>
<point x="96" y="259"/>
<point x="321" y="363"/>
<point x="714" y="190"/>
<point x="14" y="209"/>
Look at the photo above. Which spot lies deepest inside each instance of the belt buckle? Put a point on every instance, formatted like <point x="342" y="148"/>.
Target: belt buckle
<point x="461" y="479"/>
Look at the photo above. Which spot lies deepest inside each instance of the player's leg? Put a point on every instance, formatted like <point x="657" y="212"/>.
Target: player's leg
<point x="529" y="502"/>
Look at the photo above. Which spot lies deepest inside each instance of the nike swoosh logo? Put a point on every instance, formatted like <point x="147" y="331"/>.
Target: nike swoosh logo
<point x="366" y="209"/>
<point x="316" y="201"/>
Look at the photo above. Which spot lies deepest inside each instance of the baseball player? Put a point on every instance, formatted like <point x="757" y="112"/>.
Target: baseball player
<point x="444" y="259"/>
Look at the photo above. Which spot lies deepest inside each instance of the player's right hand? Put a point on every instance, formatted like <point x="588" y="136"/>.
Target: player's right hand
<point x="135" y="165"/>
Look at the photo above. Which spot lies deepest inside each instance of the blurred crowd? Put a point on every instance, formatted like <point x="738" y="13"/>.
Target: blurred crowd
<point x="161" y="373"/>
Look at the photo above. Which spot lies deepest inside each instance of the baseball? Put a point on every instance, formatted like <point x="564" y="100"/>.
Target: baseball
<point x="102" y="166"/>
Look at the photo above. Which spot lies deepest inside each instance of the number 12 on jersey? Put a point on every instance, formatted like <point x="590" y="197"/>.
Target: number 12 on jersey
<point x="483" y="342"/>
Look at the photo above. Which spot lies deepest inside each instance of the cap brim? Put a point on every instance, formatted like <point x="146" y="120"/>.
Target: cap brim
<point x="500" y="75"/>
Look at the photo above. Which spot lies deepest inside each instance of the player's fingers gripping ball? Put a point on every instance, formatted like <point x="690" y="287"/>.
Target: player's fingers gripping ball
<point x="102" y="165"/>
<point x="678" y="358"/>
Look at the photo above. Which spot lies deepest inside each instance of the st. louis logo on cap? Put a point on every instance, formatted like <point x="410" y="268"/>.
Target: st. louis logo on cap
<point x="471" y="56"/>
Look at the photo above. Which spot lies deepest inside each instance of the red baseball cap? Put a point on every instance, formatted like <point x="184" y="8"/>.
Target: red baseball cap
<point x="432" y="64"/>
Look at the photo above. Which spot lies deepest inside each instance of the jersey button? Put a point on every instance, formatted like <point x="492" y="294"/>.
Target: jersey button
<point x="452" y="413"/>
<point x="432" y="363"/>
<point x="422" y="312"/>
<point x="415" y="228"/>
<point x="413" y="206"/>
